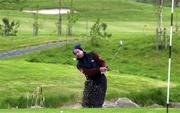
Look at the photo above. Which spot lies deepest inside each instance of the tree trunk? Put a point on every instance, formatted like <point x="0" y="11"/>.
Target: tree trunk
<point x="70" y="19"/>
<point x="35" y="24"/>
<point x="160" y="22"/>
<point x="157" y="40"/>
<point x="59" y="20"/>
<point x="165" y="41"/>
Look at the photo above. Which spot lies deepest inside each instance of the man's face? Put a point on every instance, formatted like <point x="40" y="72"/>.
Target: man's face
<point x="78" y="53"/>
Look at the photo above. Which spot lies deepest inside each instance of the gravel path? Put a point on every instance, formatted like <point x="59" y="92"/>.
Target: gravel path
<point x="33" y="48"/>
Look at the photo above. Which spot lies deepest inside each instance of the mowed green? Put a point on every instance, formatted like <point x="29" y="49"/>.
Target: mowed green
<point x="12" y="43"/>
<point x="105" y="110"/>
<point x="137" y="68"/>
<point x="19" y="78"/>
<point x="121" y="17"/>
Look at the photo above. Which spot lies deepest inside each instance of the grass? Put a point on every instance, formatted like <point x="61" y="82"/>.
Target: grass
<point x="124" y="10"/>
<point x="58" y="84"/>
<point x="123" y="17"/>
<point x="135" y="48"/>
<point x="137" y="57"/>
<point x="10" y="43"/>
<point x="106" y="110"/>
<point x="26" y="77"/>
<point x="137" y="70"/>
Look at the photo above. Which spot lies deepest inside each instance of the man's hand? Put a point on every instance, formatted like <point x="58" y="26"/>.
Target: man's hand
<point x="81" y="70"/>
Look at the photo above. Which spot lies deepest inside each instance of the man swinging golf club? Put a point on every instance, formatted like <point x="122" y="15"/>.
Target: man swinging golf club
<point x="94" y="68"/>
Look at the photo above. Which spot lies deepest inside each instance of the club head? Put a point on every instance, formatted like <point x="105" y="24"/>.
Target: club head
<point x="121" y="43"/>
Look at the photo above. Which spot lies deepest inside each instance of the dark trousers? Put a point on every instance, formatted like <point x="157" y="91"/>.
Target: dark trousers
<point x="94" y="92"/>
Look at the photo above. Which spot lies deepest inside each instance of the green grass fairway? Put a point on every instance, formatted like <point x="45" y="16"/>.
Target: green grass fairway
<point x="11" y="43"/>
<point x="138" y="72"/>
<point x="59" y="84"/>
<point x="104" y="110"/>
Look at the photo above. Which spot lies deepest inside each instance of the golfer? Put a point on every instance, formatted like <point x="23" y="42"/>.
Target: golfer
<point x="94" y="68"/>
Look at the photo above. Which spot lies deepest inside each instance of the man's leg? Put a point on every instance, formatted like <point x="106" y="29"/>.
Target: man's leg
<point x="99" y="92"/>
<point x="88" y="88"/>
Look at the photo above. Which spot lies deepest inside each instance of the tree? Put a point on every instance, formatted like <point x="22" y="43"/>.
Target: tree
<point x="72" y="19"/>
<point x="59" y="20"/>
<point x="36" y="24"/>
<point x="177" y="3"/>
<point x="98" y="30"/>
<point x="9" y="28"/>
<point x="160" y="31"/>
<point x="160" y="20"/>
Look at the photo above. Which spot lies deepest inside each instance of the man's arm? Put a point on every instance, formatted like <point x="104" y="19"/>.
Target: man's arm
<point x="89" y="72"/>
<point x="101" y="62"/>
<point x="93" y="71"/>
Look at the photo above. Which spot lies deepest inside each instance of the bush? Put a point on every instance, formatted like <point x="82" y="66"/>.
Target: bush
<point x="48" y="100"/>
<point x="149" y="97"/>
<point x="98" y="30"/>
<point x="9" y="28"/>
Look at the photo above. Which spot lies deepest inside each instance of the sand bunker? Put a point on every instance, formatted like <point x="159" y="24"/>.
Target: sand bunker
<point x="49" y="11"/>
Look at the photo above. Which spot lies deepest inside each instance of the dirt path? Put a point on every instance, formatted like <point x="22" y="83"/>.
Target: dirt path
<point x="34" y="48"/>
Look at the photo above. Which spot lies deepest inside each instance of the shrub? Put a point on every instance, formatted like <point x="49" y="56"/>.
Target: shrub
<point x="9" y="28"/>
<point x="98" y="30"/>
<point x="149" y="97"/>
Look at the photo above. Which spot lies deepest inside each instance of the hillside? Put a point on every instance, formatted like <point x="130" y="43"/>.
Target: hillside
<point x="138" y="70"/>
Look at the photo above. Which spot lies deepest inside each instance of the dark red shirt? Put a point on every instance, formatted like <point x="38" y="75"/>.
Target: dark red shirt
<point x="93" y="71"/>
